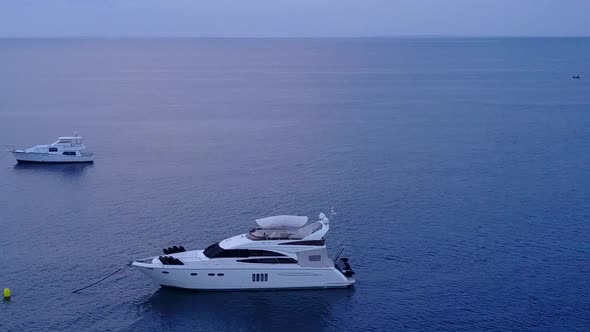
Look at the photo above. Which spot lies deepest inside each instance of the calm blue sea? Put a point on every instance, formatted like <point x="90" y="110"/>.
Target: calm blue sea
<point x="459" y="169"/>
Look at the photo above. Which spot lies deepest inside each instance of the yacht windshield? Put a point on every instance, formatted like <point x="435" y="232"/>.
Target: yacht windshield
<point x="215" y="251"/>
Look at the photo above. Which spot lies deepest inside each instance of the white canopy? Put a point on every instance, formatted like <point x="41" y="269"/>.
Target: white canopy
<point x="282" y="221"/>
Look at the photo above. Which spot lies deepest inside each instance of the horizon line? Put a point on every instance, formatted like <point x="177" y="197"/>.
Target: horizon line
<point x="422" y="36"/>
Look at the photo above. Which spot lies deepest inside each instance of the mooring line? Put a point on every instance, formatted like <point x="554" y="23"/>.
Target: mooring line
<point x="94" y="283"/>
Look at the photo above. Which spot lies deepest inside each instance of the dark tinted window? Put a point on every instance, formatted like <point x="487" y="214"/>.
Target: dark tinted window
<point x="280" y="260"/>
<point x="52" y="149"/>
<point x="255" y="253"/>
<point x="215" y="251"/>
<point x="304" y="243"/>
<point x="69" y="153"/>
<point x="315" y="258"/>
<point x="258" y="277"/>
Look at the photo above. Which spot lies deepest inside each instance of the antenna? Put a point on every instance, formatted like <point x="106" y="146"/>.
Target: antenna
<point x="339" y="253"/>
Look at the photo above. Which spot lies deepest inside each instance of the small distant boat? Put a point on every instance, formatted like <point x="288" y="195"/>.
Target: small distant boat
<point x="64" y="150"/>
<point x="576" y="76"/>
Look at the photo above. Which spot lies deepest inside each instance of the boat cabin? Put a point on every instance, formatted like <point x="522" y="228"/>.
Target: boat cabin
<point x="68" y="141"/>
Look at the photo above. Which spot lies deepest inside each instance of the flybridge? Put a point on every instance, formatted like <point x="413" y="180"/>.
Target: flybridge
<point x="74" y="140"/>
<point x="289" y="228"/>
<point x="282" y="221"/>
<point x="69" y="139"/>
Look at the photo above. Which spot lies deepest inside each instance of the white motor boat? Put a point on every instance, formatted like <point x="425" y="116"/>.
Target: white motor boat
<point x="282" y="253"/>
<point x="64" y="150"/>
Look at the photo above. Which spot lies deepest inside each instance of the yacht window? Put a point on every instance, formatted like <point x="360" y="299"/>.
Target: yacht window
<point x="287" y="260"/>
<point x="215" y="251"/>
<point x="69" y="153"/>
<point x="280" y="260"/>
<point x="315" y="258"/>
<point x="52" y="149"/>
<point x="262" y="253"/>
<point x="259" y="277"/>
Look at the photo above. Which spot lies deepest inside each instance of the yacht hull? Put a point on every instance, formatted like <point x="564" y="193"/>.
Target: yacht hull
<point x="220" y="278"/>
<point x="30" y="157"/>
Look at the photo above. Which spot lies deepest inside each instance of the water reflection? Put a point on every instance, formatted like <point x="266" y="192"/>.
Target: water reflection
<point x="75" y="169"/>
<point x="265" y="310"/>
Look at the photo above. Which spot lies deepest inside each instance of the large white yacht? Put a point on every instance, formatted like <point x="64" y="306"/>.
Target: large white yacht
<point x="282" y="253"/>
<point x="64" y="150"/>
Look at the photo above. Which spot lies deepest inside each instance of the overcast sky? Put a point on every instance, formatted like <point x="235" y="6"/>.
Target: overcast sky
<point x="293" y="18"/>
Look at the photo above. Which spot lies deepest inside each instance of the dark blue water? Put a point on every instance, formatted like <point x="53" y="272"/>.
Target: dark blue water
<point x="458" y="168"/>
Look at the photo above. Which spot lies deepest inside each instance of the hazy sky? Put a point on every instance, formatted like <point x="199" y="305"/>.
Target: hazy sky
<point x="293" y="18"/>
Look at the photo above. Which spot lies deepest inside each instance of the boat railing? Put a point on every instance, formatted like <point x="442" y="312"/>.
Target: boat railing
<point x="206" y="261"/>
<point x="263" y="234"/>
<point x="272" y="234"/>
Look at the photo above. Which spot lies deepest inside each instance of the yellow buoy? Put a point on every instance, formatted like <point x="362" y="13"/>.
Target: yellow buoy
<point x="7" y="293"/>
